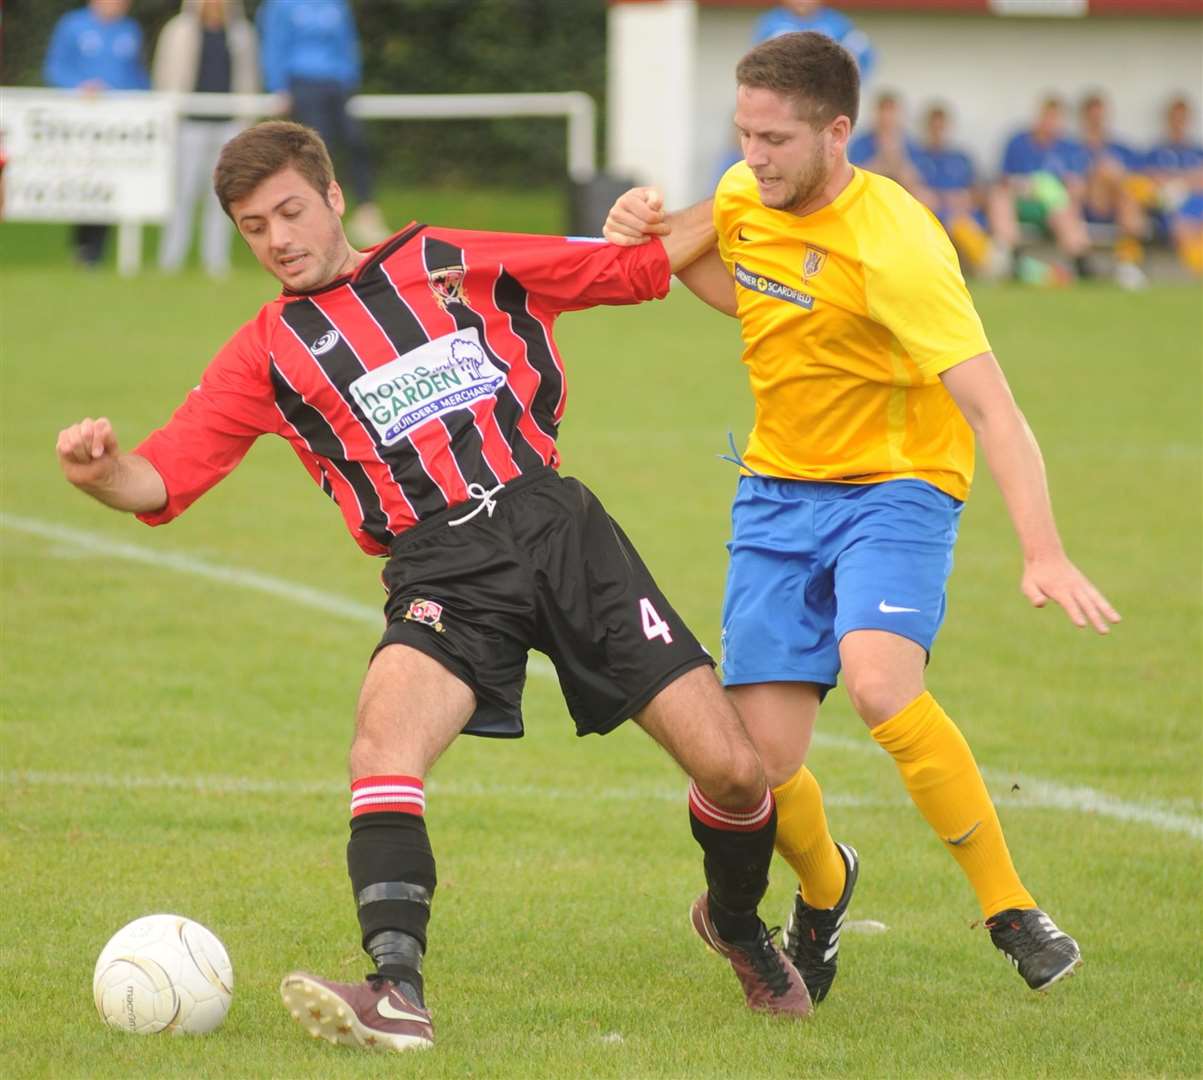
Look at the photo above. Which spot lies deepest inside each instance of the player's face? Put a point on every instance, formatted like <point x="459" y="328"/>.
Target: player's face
<point x="1050" y="121"/>
<point x="937" y="128"/>
<point x="110" y="10"/>
<point x="296" y="235"/>
<point x="790" y="159"/>
<point x="1178" y="121"/>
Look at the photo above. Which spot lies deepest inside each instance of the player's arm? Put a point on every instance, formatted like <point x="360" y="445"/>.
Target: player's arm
<point x="980" y="390"/>
<point x="91" y="460"/>
<point x="689" y="241"/>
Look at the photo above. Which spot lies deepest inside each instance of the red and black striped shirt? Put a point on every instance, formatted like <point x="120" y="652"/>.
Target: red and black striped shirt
<point x="429" y="368"/>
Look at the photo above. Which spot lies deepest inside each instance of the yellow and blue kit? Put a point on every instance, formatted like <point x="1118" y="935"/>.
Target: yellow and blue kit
<point x="859" y="458"/>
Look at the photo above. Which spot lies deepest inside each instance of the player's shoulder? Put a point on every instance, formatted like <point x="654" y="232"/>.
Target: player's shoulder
<point x="881" y="194"/>
<point x="893" y="228"/>
<point x="735" y="190"/>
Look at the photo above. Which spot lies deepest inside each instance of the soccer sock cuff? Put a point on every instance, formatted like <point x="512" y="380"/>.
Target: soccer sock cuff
<point x="940" y="774"/>
<point x="376" y="794"/>
<point x="804" y="841"/>
<point x="738" y="846"/>
<point x="389" y="858"/>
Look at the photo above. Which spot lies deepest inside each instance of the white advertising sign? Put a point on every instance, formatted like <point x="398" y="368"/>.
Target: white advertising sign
<point x="74" y="157"/>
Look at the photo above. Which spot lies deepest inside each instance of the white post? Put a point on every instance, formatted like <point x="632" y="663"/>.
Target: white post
<point x="650" y="91"/>
<point x="129" y="248"/>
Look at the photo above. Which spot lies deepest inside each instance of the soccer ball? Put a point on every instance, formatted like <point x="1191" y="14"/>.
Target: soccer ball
<point x="163" y="973"/>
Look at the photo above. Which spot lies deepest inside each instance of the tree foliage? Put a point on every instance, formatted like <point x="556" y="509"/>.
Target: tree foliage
<point x="418" y="47"/>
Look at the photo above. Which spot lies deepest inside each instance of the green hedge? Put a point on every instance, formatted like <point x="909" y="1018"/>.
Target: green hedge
<point x="423" y="46"/>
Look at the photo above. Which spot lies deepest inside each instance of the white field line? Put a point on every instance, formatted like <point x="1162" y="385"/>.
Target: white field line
<point x="225" y="785"/>
<point x="1033" y="791"/>
<point x="99" y="544"/>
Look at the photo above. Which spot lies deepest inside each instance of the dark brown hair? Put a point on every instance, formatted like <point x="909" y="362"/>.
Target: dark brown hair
<point x="262" y="151"/>
<point x="816" y="73"/>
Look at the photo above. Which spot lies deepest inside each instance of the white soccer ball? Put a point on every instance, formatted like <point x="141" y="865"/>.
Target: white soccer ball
<point x="163" y="973"/>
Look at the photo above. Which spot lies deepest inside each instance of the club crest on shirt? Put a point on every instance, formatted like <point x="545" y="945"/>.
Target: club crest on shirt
<point x="813" y="262"/>
<point x="426" y="612"/>
<point x="447" y="284"/>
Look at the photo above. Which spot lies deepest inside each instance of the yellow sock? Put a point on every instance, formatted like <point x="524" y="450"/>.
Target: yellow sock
<point x="969" y="236"/>
<point x="804" y="842"/>
<point x="1130" y="250"/>
<point x="938" y="770"/>
<point x="1190" y="251"/>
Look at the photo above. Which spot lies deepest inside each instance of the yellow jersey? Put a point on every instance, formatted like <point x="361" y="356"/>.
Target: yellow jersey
<point x="848" y="316"/>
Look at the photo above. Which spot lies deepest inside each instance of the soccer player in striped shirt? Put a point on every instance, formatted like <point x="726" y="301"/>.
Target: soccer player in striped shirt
<point x="421" y="388"/>
<point x="872" y="375"/>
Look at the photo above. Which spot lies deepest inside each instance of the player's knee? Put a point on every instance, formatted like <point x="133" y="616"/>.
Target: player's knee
<point x="738" y="782"/>
<point x="876" y="696"/>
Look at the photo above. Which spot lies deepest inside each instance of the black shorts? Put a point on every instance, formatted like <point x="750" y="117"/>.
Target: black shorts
<point x="549" y="570"/>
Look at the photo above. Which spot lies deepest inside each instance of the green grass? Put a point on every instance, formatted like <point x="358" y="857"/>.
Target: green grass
<point x="566" y="867"/>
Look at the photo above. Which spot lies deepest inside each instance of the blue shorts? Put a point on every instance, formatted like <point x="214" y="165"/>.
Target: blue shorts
<point x="812" y="561"/>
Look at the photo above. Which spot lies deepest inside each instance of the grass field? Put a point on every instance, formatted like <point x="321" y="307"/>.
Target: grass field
<point x="174" y="731"/>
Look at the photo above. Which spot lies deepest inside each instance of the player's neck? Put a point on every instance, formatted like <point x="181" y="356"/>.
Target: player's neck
<point x="841" y="177"/>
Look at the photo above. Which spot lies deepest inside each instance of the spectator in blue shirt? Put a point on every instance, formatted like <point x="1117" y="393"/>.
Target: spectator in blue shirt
<point x="310" y="51"/>
<point x="886" y="148"/>
<point x="95" y="48"/>
<point x="1038" y="165"/>
<point x="794" y="15"/>
<point x="965" y="207"/>
<point x="1175" y="166"/>
<point x="1113" y="190"/>
<point x="1178" y="152"/>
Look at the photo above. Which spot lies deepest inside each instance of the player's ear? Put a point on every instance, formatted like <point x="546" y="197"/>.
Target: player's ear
<point x="334" y="198"/>
<point x="841" y="132"/>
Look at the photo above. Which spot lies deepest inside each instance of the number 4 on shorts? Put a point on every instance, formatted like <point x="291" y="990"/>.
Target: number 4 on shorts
<point x="653" y="625"/>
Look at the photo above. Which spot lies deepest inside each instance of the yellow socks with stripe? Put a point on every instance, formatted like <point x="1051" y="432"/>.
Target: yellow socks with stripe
<point x="938" y="770"/>
<point x="804" y="842"/>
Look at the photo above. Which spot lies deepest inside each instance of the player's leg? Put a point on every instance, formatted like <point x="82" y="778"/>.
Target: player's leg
<point x="732" y="817"/>
<point x="410" y="709"/>
<point x="621" y="651"/>
<point x="780" y="719"/>
<point x="890" y="588"/>
<point x="779" y="658"/>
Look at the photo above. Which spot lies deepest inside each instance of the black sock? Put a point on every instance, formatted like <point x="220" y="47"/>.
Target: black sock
<point x="736" y="863"/>
<point x="393" y="878"/>
<point x="398" y="957"/>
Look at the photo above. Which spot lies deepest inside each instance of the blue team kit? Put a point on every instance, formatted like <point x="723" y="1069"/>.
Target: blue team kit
<point x="812" y="561"/>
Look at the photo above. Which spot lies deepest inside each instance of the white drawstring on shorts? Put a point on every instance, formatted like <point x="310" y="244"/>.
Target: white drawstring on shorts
<point x="487" y="502"/>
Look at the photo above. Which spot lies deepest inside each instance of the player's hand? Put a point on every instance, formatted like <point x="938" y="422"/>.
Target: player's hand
<point x="87" y="453"/>
<point x="637" y="216"/>
<point x="1059" y="580"/>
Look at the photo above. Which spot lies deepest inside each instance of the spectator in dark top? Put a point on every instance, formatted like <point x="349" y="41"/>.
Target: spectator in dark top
<point x="95" y="48"/>
<point x="965" y="207"/>
<point x="209" y="47"/>
<point x="1038" y="165"/>
<point x="886" y="148"/>
<point x="1113" y="191"/>
<point x="1175" y="166"/>
<point x="310" y="51"/>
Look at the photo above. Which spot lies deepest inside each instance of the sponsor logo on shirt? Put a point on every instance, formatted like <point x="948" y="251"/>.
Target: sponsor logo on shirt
<point x="761" y="284"/>
<point x="448" y="373"/>
<point x="325" y="343"/>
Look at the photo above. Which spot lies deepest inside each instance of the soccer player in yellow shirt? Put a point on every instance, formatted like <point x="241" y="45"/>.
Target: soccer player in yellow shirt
<point x="872" y="375"/>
